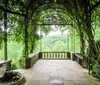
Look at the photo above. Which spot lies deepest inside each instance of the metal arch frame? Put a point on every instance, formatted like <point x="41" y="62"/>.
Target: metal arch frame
<point x="31" y="2"/>
<point x="94" y="6"/>
<point x="12" y="12"/>
<point x="5" y="32"/>
<point x="54" y="24"/>
<point x="26" y="34"/>
<point x="5" y="35"/>
<point x="37" y="1"/>
<point x="9" y="11"/>
<point x="44" y="8"/>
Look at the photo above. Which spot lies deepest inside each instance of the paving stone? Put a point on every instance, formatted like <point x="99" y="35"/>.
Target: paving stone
<point x="57" y="72"/>
<point x="33" y="82"/>
<point x="70" y="82"/>
<point x="78" y="82"/>
<point x="56" y="80"/>
<point x="42" y="82"/>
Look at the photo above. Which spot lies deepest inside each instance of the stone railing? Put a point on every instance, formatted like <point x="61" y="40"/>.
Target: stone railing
<point x="31" y="60"/>
<point x="77" y="57"/>
<point x="54" y="55"/>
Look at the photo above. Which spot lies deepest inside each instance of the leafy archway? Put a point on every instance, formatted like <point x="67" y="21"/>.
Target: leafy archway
<point x="80" y="11"/>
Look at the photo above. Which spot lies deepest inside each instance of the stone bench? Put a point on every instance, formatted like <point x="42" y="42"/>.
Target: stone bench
<point x="8" y="63"/>
<point x="4" y="66"/>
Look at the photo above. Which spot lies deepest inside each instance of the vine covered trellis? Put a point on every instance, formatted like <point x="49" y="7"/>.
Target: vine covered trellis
<point x="23" y="17"/>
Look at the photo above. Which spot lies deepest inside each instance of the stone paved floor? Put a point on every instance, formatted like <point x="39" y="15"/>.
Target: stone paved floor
<point x="57" y="72"/>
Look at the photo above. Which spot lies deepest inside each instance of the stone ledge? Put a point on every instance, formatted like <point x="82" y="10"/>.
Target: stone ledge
<point x="77" y="57"/>
<point x="31" y="60"/>
<point x="8" y="62"/>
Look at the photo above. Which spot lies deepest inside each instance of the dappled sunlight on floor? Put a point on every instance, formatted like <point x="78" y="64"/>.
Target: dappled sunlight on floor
<point x="57" y="72"/>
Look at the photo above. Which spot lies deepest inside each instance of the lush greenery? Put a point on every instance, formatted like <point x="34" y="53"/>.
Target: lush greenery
<point x="15" y="52"/>
<point x="24" y="19"/>
<point x="61" y="42"/>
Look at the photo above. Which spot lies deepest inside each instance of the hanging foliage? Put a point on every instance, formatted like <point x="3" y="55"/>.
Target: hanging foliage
<point x="51" y="12"/>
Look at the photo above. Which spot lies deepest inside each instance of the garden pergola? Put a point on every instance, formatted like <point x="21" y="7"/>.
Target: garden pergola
<point x="79" y="10"/>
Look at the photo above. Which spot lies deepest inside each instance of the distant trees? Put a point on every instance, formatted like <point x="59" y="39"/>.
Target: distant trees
<point x="59" y="43"/>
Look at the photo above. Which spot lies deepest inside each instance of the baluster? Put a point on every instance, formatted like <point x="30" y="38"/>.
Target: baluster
<point x="66" y="55"/>
<point x="47" y="55"/>
<point x="54" y="54"/>
<point x="63" y="55"/>
<point x="50" y="54"/>
<point x="43" y="54"/>
<point x="58" y="54"/>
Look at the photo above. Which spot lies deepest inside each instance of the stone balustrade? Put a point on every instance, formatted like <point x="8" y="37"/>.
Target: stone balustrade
<point x="77" y="57"/>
